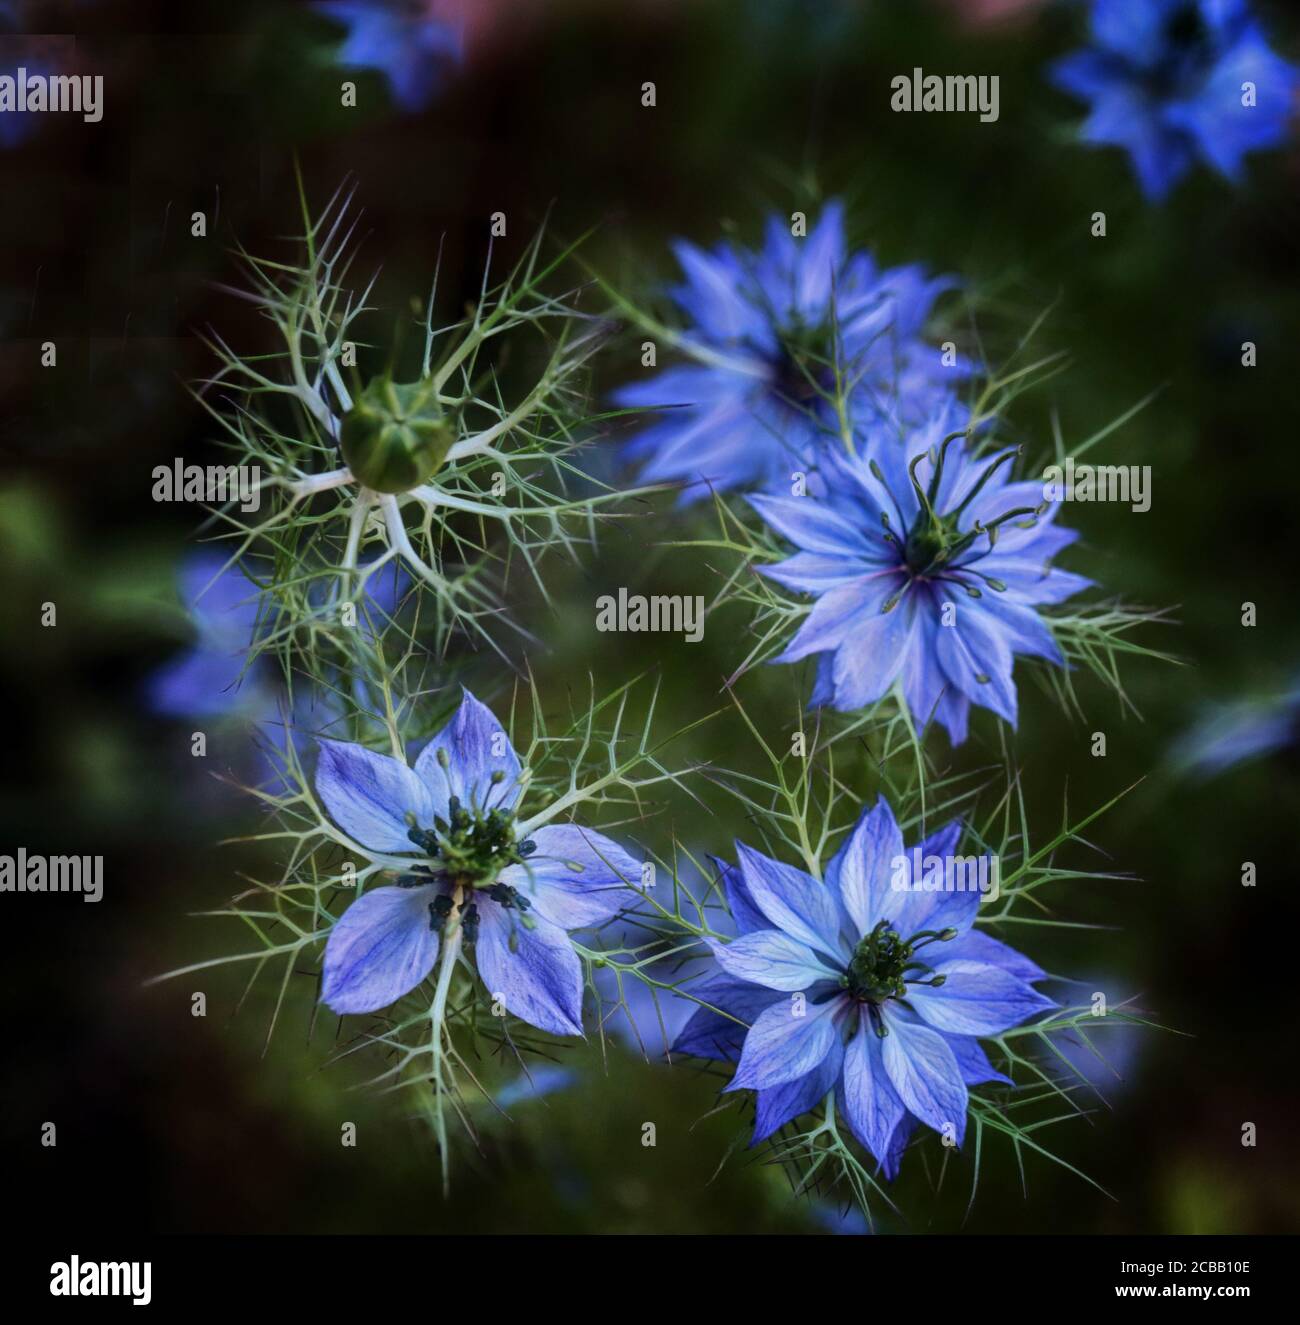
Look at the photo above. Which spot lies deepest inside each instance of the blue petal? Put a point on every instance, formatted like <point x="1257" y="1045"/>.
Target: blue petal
<point x="976" y="946"/>
<point x="925" y="1074"/>
<point x="577" y="878"/>
<point x="863" y="867"/>
<point x="709" y="1034"/>
<point x="772" y="959"/>
<point x="812" y="525"/>
<point x="532" y="969"/>
<point x="869" y="1101"/>
<point x="380" y="948"/>
<point x="779" y="1104"/>
<point x="973" y="1061"/>
<point x="976" y="999"/>
<point x="477" y="747"/>
<point x="871" y="654"/>
<point x="782" y="1046"/>
<point x="369" y="796"/>
<point x="744" y="913"/>
<point x="978" y="662"/>
<point x="794" y="902"/>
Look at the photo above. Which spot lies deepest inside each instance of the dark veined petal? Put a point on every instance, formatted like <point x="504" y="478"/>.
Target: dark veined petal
<point x="977" y="946"/>
<point x="794" y="902"/>
<point x="745" y="914"/>
<point x="977" y="660"/>
<point x="476" y="747"/>
<point x="787" y="1040"/>
<point x="812" y="525"/>
<point x="379" y="949"/>
<point x="531" y="968"/>
<point x="921" y="1066"/>
<point x="976" y="999"/>
<point x="973" y="1061"/>
<point x="369" y="795"/>
<point x="577" y="877"/>
<point x="872" y="653"/>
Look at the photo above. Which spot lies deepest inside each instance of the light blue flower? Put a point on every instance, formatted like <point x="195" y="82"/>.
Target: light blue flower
<point x="213" y="676"/>
<point x="645" y="1018"/>
<point x="928" y="565"/>
<point x="768" y="332"/>
<point x="1166" y="82"/>
<point x="400" y="39"/>
<point x="17" y="126"/>
<point x="867" y="984"/>
<point x="514" y="900"/>
<point x="1229" y="734"/>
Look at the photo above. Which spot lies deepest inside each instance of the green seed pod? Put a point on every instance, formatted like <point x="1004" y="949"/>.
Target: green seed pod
<point x="394" y="436"/>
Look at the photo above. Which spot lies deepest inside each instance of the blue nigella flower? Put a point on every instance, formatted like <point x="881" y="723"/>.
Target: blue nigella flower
<point x="1231" y="734"/>
<point x="866" y="984"/>
<point x="928" y="565"/>
<point x="769" y="332"/>
<point x="211" y="677"/>
<point x="402" y="40"/>
<point x="514" y="898"/>
<point x="17" y="126"/>
<point x="1165" y="80"/>
<point x="647" y="1020"/>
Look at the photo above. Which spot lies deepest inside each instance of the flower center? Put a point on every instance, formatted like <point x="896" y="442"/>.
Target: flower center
<point x="470" y="848"/>
<point x="883" y="965"/>
<point x="1186" y="51"/>
<point x="803" y="368"/>
<point x="933" y="542"/>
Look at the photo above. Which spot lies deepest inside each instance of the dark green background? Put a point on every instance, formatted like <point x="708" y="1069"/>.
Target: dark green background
<point x="168" y="1122"/>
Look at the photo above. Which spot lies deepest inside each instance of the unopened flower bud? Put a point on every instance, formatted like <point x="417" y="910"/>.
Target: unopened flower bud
<point x="394" y="436"/>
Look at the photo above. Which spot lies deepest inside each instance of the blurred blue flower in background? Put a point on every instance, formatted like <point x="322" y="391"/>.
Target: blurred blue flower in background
<point x="1166" y="82"/>
<point x="644" y="1018"/>
<point x="1230" y="734"/>
<point x="17" y="126"/>
<point x="213" y="676"/>
<point x="854" y="984"/>
<point x="405" y="42"/>
<point x="928" y="566"/>
<point x="771" y="333"/>
<point x="536" y="1084"/>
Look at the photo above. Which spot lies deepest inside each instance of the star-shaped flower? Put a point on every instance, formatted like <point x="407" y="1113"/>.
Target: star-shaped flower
<point x="929" y="566"/>
<point x="770" y="333"/>
<point x="870" y="983"/>
<point x="1171" y="81"/>
<point x="475" y="877"/>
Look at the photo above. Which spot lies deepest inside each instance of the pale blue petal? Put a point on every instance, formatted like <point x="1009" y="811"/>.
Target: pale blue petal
<point x="787" y="1040"/>
<point x="577" y="877"/>
<point x="925" y="1074"/>
<point x="531" y="968"/>
<point x="370" y="795"/>
<point x="476" y="747"/>
<point x="379" y="949"/>
<point x="975" y="999"/>
<point x="794" y="902"/>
